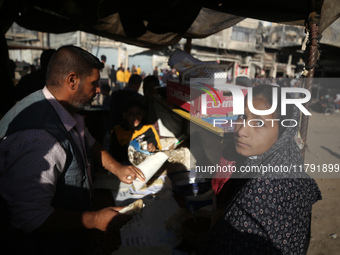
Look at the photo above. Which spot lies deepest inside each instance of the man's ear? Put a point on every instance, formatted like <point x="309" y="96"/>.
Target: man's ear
<point x="72" y="81"/>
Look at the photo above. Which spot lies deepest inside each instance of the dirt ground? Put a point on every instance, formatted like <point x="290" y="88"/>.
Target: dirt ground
<point x="323" y="139"/>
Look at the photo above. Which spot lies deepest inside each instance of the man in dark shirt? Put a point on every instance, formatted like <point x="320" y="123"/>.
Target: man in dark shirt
<point x="119" y="98"/>
<point x="113" y="77"/>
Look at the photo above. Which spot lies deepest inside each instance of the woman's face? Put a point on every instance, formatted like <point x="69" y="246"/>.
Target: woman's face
<point x="254" y="141"/>
<point x="134" y="117"/>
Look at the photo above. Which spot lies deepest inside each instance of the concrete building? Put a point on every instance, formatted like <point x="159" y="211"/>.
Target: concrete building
<point x="250" y="48"/>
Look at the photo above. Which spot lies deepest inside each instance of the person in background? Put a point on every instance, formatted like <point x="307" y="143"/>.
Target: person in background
<point x="105" y="72"/>
<point x="102" y="99"/>
<point x="325" y="105"/>
<point x="155" y="71"/>
<point x="139" y="70"/>
<point x="165" y="77"/>
<point x="127" y="75"/>
<point x="150" y="83"/>
<point x="120" y="77"/>
<point x="106" y="90"/>
<point x="119" y="98"/>
<point x="174" y="74"/>
<point x="133" y="69"/>
<point x="160" y="77"/>
<point x="132" y="128"/>
<point x="113" y="76"/>
<point x="34" y="80"/>
<point x="150" y="86"/>
<point x="45" y="167"/>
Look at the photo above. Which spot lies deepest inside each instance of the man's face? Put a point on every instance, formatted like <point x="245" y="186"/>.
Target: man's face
<point x="254" y="141"/>
<point x="87" y="89"/>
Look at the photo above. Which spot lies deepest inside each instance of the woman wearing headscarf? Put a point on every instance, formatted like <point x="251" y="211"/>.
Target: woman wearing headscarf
<point x="264" y="212"/>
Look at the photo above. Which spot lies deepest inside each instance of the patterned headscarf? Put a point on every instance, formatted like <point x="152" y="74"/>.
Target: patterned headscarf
<point x="285" y="153"/>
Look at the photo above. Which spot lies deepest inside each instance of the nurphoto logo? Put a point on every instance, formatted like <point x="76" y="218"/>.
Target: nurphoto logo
<point x="238" y="100"/>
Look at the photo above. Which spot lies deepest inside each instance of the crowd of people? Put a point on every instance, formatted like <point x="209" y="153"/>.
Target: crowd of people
<point x="48" y="158"/>
<point x="327" y="104"/>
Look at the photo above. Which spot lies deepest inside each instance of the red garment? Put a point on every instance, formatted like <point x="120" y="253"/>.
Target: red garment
<point x="222" y="177"/>
<point x="227" y="162"/>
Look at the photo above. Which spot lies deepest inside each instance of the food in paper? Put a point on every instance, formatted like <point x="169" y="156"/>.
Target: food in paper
<point x="149" y="167"/>
<point x="133" y="208"/>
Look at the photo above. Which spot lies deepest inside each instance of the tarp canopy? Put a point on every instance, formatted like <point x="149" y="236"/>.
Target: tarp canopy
<point x="153" y="24"/>
<point x="157" y="23"/>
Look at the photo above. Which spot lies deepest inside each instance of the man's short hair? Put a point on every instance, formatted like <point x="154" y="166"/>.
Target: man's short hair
<point x="103" y="58"/>
<point x="133" y="102"/>
<point x="151" y="81"/>
<point x="69" y="59"/>
<point x="135" y="79"/>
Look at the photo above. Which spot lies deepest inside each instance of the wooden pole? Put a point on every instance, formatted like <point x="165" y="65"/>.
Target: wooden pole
<point x="312" y="27"/>
<point x="187" y="46"/>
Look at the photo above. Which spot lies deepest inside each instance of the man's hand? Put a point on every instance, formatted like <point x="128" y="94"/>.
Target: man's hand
<point x="129" y="173"/>
<point x="61" y="220"/>
<point x="109" y="218"/>
<point x="125" y="173"/>
<point x="105" y="219"/>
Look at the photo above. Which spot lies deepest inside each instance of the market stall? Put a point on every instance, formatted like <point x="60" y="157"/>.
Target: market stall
<point x="150" y="25"/>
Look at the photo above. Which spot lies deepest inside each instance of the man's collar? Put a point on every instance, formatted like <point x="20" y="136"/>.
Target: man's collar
<point x="66" y="118"/>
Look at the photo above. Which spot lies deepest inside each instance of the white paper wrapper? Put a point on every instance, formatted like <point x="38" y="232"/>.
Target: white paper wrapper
<point x="133" y="208"/>
<point x="149" y="167"/>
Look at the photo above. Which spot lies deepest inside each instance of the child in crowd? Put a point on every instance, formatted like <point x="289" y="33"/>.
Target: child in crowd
<point x="263" y="212"/>
<point x="132" y="128"/>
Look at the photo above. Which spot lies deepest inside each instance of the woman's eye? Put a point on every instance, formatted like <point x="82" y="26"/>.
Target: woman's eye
<point x="242" y="117"/>
<point x="255" y="123"/>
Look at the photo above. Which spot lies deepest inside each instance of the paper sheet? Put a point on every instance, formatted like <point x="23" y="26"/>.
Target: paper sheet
<point x="149" y="167"/>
